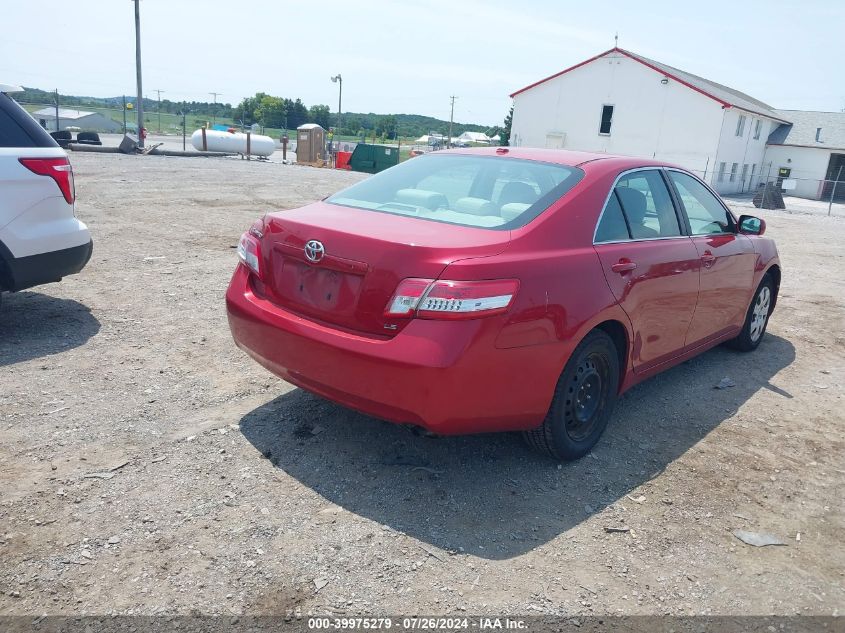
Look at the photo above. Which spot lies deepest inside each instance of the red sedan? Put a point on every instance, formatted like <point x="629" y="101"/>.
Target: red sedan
<point x="501" y="289"/>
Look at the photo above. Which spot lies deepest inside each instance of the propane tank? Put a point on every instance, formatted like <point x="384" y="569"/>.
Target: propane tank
<point x="217" y="141"/>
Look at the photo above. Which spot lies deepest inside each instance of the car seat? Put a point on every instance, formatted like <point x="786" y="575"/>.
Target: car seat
<point x="634" y="204"/>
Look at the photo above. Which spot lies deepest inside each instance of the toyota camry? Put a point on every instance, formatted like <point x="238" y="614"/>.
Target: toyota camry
<point x="501" y="289"/>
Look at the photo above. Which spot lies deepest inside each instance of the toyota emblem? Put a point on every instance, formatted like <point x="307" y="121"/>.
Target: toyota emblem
<point x="314" y="251"/>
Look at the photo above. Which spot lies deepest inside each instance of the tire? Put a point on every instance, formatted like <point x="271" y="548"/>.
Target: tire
<point x="584" y="398"/>
<point x="757" y="317"/>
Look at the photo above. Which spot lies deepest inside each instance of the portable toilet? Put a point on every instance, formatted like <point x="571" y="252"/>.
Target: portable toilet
<point x="310" y="143"/>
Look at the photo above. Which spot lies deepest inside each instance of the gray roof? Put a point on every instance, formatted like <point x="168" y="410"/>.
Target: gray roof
<point x="63" y="113"/>
<point x="726" y="95"/>
<point x="802" y="130"/>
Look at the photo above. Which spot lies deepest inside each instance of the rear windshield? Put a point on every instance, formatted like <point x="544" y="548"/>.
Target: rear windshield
<point x="484" y="191"/>
<point x="18" y="128"/>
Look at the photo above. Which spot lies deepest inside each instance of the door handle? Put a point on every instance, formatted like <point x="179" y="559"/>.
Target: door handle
<point x="623" y="266"/>
<point x="707" y="259"/>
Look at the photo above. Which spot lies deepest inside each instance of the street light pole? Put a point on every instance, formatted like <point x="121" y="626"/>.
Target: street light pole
<point x="140" y="101"/>
<point x="338" y="80"/>
<point x="451" y="120"/>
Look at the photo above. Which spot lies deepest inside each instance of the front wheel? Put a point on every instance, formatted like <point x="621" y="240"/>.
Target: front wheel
<point x="756" y="319"/>
<point x="583" y="402"/>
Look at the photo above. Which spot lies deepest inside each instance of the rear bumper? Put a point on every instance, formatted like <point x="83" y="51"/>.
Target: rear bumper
<point x="448" y="377"/>
<point x="34" y="270"/>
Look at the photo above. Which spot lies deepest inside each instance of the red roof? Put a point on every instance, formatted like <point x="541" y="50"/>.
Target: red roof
<point x="726" y="97"/>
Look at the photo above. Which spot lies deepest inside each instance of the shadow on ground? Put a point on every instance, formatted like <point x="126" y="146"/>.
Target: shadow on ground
<point x="33" y="325"/>
<point x="489" y="494"/>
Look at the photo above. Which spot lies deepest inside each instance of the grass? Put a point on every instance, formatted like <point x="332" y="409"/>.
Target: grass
<point x="173" y="123"/>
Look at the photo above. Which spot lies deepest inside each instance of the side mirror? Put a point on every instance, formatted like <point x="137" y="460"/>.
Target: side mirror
<point x="749" y="225"/>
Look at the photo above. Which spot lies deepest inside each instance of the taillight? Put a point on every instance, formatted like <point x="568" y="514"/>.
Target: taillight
<point x="441" y="299"/>
<point x="249" y="252"/>
<point x="407" y="297"/>
<point x="58" y="169"/>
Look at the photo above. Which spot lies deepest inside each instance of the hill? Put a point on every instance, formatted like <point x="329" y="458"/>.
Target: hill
<point x="272" y="113"/>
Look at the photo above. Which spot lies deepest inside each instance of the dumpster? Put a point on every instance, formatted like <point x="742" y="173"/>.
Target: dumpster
<point x="372" y="159"/>
<point x="342" y="161"/>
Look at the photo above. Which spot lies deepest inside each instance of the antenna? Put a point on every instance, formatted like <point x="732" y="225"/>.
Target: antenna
<point x="616" y="40"/>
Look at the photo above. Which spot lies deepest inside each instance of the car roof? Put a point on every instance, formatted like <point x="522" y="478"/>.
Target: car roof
<point x="570" y="158"/>
<point x="10" y="88"/>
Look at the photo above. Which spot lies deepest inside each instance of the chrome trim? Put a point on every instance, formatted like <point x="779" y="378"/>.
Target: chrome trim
<point x="647" y="239"/>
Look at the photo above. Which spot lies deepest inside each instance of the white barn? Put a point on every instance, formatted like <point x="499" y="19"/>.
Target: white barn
<point x="87" y="121"/>
<point x="622" y="103"/>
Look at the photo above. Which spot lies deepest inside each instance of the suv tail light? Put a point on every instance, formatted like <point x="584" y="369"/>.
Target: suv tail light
<point x="58" y="169"/>
<point x="249" y="252"/>
<point x="441" y="299"/>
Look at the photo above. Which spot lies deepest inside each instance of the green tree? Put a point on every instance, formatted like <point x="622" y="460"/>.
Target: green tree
<point x="387" y="126"/>
<point x="506" y="133"/>
<point x="271" y="112"/>
<point x="321" y="115"/>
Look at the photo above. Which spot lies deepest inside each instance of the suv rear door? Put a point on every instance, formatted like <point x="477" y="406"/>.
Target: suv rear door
<point x="22" y="137"/>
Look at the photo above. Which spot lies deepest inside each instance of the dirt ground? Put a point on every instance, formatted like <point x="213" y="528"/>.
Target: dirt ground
<point x="148" y="466"/>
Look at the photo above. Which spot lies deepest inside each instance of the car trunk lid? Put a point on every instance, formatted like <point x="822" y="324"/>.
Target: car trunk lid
<point x="364" y="256"/>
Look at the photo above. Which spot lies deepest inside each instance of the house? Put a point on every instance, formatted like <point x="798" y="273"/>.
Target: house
<point x="623" y="103"/>
<point x="88" y="121"/>
<point x="809" y="151"/>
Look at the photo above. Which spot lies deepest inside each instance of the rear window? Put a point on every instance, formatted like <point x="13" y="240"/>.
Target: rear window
<point x="482" y="191"/>
<point x="18" y="128"/>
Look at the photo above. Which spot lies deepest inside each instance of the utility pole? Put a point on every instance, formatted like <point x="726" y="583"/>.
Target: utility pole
<point x="139" y="105"/>
<point x="214" y="110"/>
<point x="451" y="120"/>
<point x="158" y="92"/>
<point x="124" y="115"/>
<point x="57" y="109"/>
<point x="184" y="112"/>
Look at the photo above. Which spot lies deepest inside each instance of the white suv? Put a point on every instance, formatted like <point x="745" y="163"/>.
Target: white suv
<point x="40" y="238"/>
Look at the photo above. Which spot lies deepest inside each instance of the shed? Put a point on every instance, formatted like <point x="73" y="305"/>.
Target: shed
<point x="81" y="119"/>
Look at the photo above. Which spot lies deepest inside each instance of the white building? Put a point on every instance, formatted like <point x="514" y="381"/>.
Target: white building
<point x="87" y="121"/>
<point x="809" y="153"/>
<point x="474" y="137"/>
<point x="622" y="103"/>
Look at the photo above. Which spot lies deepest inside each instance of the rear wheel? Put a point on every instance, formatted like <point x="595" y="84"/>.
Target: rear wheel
<point x="757" y="317"/>
<point x="583" y="402"/>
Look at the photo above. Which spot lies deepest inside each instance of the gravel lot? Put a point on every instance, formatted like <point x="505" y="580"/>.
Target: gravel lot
<point x="148" y="466"/>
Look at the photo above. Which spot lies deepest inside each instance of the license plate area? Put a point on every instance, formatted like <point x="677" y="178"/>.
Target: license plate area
<point x="316" y="289"/>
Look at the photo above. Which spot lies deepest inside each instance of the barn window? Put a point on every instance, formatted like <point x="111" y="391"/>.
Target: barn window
<point x="740" y="125"/>
<point x="606" y="119"/>
<point x="733" y="171"/>
<point x="757" y="125"/>
<point x="722" y="167"/>
<point x="818" y="135"/>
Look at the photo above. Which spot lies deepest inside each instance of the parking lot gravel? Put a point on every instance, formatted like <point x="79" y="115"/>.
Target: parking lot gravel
<point x="148" y="466"/>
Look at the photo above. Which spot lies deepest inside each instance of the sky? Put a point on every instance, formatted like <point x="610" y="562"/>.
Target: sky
<point x="410" y="56"/>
